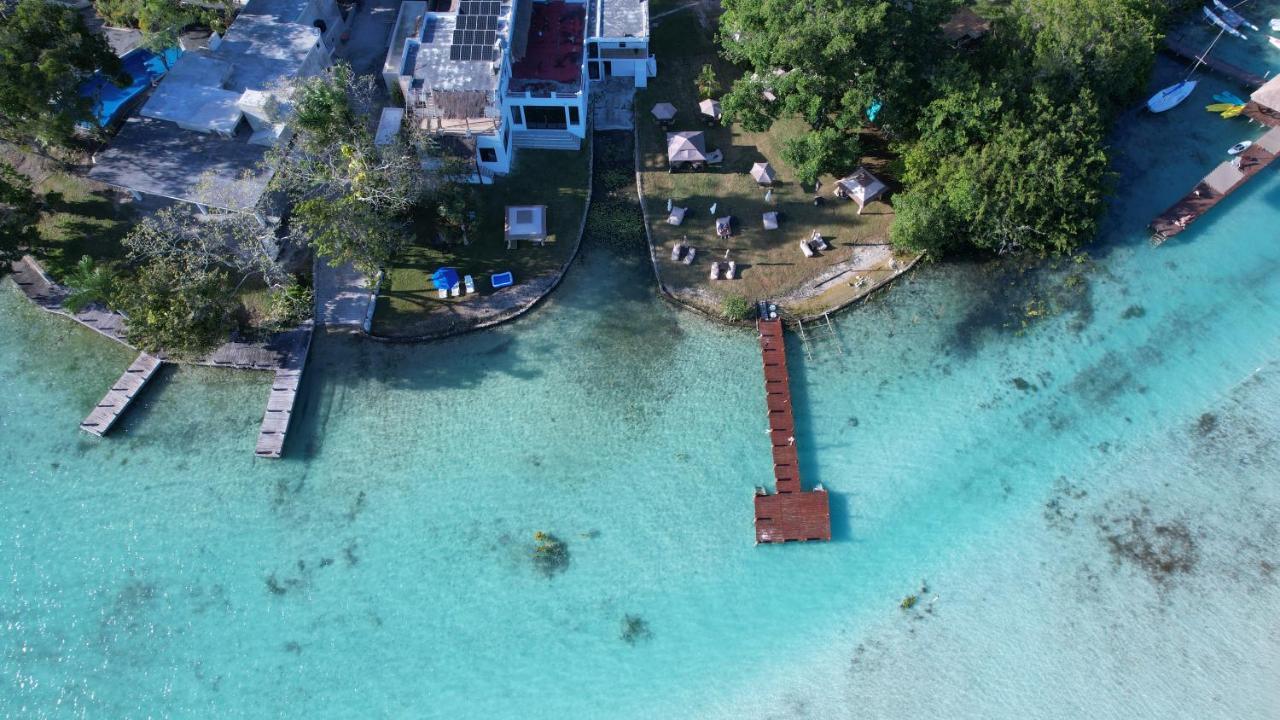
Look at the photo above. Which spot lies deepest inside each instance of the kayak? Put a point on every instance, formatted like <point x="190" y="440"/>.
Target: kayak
<point x="1169" y="97"/>
<point x="1227" y="97"/>
<point x="1223" y="24"/>
<point x="1239" y="147"/>
<point x="1232" y="17"/>
<point x="1233" y="111"/>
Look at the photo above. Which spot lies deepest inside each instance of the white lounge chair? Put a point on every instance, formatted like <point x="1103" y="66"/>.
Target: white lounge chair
<point x="677" y="215"/>
<point x="715" y="270"/>
<point x="688" y="257"/>
<point x="456" y="290"/>
<point x="771" y="221"/>
<point x="471" y="284"/>
<point x="676" y="251"/>
<point x="442" y="294"/>
<point x="804" y="248"/>
<point x="732" y="272"/>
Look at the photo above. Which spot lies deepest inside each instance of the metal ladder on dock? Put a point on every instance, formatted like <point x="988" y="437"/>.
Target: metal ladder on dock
<point x="804" y="340"/>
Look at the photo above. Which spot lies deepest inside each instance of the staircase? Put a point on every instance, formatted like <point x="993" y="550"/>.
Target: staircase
<point x="547" y="139"/>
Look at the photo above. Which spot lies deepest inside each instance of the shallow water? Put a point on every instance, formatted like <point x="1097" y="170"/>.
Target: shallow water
<point x="1090" y="499"/>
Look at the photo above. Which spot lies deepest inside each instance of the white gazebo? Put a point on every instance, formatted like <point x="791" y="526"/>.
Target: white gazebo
<point x="710" y="109"/>
<point x="763" y="173"/>
<point x="861" y="187"/>
<point x="689" y="146"/>
<point x="525" y="222"/>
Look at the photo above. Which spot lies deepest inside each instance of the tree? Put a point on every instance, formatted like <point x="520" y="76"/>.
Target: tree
<point x="46" y="52"/>
<point x="708" y="85"/>
<point x="178" y="305"/>
<point x="19" y="213"/>
<point x="344" y="230"/>
<point x="234" y="242"/>
<point x="90" y="283"/>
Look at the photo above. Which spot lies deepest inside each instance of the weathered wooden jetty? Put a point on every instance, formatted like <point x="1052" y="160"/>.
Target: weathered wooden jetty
<point x="1263" y="107"/>
<point x="117" y="399"/>
<point x="284" y="393"/>
<point x="791" y="514"/>
<point x="1176" y="47"/>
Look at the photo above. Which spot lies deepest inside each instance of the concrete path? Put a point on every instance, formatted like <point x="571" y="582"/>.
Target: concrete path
<point x="611" y="104"/>
<point x="342" y="295"/>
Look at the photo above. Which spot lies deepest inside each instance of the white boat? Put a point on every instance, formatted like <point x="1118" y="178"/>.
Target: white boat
<point x="1275" y="42"/>
<point x="1239" y="147"/>
<point x="1223" y="24"/>
<point x="1233" y="17"/>
<point x="1275" y="23"/>
<point x="1169" y="97"/>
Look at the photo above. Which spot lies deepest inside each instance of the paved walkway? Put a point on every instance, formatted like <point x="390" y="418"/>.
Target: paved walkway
<point x="342" y="295"/>
<point x="611" y="104"/>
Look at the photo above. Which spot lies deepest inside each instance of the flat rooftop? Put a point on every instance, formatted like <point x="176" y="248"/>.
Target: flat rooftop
<point x="160" y="158"/>
<point x="458" y="51"/>
<point x="620" y="18"/>
<point x="553" y="46"/>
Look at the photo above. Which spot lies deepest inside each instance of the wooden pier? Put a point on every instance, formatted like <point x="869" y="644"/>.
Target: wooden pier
<point x="1177" y="48"/>
<point x="791" y="514"/>
<point x="284" y="392"/>
<point x="117" y="399"/>
<point x="1216" y="186"/>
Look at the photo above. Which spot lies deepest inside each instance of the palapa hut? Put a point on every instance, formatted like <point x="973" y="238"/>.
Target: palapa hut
<point x="525" y="222"/>
<point x="686" y="147"/>
<point x="763" y="173"/>
<point x="710" y="109"/>
<point x="861" y="187"/>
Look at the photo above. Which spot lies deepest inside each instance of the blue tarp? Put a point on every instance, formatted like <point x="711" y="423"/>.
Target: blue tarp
<point x="445" y="278"/>
<point x="143" y="67"/>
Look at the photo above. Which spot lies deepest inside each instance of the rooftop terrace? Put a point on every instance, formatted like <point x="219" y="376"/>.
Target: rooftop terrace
<point x="553" y="48"/>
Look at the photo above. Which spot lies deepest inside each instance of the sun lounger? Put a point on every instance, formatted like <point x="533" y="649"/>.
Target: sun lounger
<point x="715" y="271"/>
<point x="676" y="251"/>
<point x="771" y="221"/>
<point x="471" y="284"/>
<point x="442" y="294"/>
<point x="501" y="280"/>
<point x="456" y="290"/>
<point x="715" y="157"/>
<point x="804" y="248"/>
<point x="732" y="272"/>
<point x="688" y="257"/>
<point x="677" y="215"/>
<point x="724" y="226"/>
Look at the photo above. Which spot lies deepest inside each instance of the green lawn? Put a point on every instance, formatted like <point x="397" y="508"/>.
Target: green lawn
<point x="557" y="179"/>
<point x="769" y="262"/>
<point x="80" y="218"/>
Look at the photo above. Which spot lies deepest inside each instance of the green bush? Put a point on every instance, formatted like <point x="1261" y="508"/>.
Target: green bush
<point x="737" y="308"/>
<point x="89" y="284"/>
<point x="290" y="305"/>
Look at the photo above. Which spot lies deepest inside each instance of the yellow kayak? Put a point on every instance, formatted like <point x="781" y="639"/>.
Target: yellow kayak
<point x="1234" y="111"/>
<point x="1220" y="107"/>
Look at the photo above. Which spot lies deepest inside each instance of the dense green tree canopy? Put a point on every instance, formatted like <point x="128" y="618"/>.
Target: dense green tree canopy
<point x="46" y="51"/>
<point x="19" y="212"/>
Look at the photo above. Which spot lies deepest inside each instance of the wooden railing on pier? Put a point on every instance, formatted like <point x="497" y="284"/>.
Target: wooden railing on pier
<point x="284" y="392"/>
<point x="792" y="513"/>
<point x="1216" y="186"/>
<point x="117" y="399"/>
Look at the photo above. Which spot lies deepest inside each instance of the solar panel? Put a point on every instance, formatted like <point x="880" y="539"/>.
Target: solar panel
<point x="475" y="31"/>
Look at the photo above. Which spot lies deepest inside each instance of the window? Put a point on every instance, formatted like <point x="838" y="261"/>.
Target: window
<point x="488" y="155"/>
<point x="506" y="138"/>
<point x="517" y="117"/>
<point x="593" y="50"/>
<point x="573" y="115"/>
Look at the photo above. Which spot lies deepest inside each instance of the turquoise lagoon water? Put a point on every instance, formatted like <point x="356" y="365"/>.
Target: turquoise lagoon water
<point x="1091" y="500"/>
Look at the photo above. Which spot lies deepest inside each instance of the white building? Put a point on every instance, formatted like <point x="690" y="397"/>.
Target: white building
<point x="491" y="76"/>
<point x="202" y="135"/>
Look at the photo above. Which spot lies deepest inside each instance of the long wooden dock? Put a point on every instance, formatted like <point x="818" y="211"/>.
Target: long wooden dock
<point x="284" y="392"/>
<point x="792" y="514"/>
<point x="117" y="399"/>
<point x="1216" y="186"/>
<point x="1178" y="48"/>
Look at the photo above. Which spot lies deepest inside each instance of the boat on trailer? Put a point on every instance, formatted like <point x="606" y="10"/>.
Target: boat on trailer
<point x="1170" y="97"/>
<point x="1233" y="18"/>
<point x="1213" y="18"/>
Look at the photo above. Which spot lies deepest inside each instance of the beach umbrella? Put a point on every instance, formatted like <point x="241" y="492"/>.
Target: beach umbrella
<point x="444" y="278"/>
<point x="710" y="108"/>
<point x="763" y="173"/>
<point x="664" y="111"/>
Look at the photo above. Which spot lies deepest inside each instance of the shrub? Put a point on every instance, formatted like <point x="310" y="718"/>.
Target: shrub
<point x="737" y="308"/>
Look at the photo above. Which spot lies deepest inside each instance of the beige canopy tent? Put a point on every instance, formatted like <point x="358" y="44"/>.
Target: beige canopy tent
<point x="861" y="187"/>
<point x="686" y="147"/>
<point x="710" y="108"/>
<point x="763" y="173"/>
<point x="664" y="111"/>
<point x="525" y="222"/>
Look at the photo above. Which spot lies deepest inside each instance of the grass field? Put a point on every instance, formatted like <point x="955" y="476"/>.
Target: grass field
<point x="770" y="262"/>
<point x="557" y="179"/>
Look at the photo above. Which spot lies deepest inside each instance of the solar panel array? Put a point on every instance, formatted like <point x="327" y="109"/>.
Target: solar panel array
<point x="476" y="30"/>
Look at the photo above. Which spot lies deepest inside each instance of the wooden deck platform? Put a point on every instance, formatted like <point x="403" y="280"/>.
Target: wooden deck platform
<point x="117" y="399"/>
<point x="1176" y="47"/>
<point x="284" y="392"/>
<point x="792" y="514"/>
<point x="1216" y="186"/>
